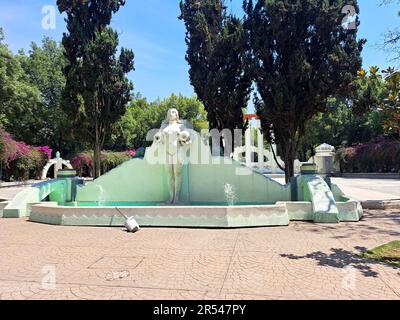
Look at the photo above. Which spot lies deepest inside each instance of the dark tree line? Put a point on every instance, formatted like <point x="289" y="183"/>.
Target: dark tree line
<point x="97" y="89"/>
<point x="296" y="52"/>
<point x="217" y="55"/>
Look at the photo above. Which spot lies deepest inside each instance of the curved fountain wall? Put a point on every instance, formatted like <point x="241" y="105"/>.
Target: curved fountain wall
<point x="137" y="180"/>
<point x="216" y="192"/>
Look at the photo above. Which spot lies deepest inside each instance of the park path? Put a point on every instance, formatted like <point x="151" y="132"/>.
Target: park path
<point x="302" y="261"/>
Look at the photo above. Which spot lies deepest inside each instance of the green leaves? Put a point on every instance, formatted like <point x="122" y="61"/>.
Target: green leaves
<point x="142" y="116"/>
<point x="391" y="104"/>
<point x="97" y="89"/>
<point x="218" y="61"/>
<point x="301" y="56"/>
<point x="18" y="95"/>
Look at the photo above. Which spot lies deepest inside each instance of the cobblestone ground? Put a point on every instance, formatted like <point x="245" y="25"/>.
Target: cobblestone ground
<point x="302" y="261"/>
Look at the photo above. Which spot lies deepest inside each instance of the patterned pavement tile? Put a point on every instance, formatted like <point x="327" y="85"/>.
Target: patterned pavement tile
<point x="302" y="261"/>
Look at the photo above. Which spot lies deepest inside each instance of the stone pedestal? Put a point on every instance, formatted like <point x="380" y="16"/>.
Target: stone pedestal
<point x="324" y="159"/>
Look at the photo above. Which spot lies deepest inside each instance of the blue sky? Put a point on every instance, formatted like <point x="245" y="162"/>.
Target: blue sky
<point x="151" y="28"/>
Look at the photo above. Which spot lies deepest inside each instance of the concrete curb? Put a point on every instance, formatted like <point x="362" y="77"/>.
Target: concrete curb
<point x="3" y="204"/>
<point x="19" y="184"/>
<point x="381" y="205"/>
<point x="381" y="176"/>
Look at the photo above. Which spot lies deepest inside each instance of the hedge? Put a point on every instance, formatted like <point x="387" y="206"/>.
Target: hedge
<point x="20" y="161"/>
<point x="83" y="162"/>
<point x="380" y="156"/>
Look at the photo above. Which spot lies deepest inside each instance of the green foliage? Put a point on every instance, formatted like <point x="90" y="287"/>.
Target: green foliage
<point x="301" y="56"/>
<point x="30" y="96"/>
<point x="97" y="89"/>
<point x="18" y="96"/>
<point x="18" y="160"/>
<point x="50" y="124"/>
<point x="141" y="116"/>
<point x="217" y="58"/>
<point x="83" y="162"/>
<point x="369" y="90"/>
<point x="380" y="91"/>
<point x="339" y="126"/>
<point x="388" y="253"/>
<point x="391" y="104"/>
<point x="29" y="165"/>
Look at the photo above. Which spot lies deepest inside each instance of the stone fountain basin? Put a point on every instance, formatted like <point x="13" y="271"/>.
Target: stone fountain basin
<point x="193" y="216"/>
<point x="3" y="204"/>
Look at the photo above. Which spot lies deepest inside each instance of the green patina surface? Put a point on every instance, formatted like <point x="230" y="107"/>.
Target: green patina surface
<point x="317" y="191"/>
<point x="138" y="183"/>
<point x="58" y="190"/>
<point x="162" y="204"/>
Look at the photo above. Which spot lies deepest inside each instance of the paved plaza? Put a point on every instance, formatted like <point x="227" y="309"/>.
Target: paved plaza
<point x="302" y="261"/>
<point x="369" y="189"/>
<point x="366" y="189"/>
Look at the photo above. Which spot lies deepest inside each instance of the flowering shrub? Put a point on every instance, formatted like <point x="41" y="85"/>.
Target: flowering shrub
<point x="19" y="160"/>
<point x="83" y="162"/>
<point x="45" y="150"/>
<point x="131" y="153"/>
<point x="382" y="155"/>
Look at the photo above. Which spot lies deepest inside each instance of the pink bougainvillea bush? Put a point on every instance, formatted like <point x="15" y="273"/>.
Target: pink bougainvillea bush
<point x="83" y="162"/>
<point x="382" y="155"/>
<point x="20" y="161"/>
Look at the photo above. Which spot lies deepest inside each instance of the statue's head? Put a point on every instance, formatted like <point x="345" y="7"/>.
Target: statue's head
<point x="173" y="115"/>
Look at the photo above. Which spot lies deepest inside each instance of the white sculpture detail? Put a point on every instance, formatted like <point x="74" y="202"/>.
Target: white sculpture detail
<point x="266" y="163"/>
<point x="58" y="164"/>
<point x="176" y="139"/>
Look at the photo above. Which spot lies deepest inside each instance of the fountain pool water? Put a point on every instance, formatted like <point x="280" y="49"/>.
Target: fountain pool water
<point x="163" y="204"/>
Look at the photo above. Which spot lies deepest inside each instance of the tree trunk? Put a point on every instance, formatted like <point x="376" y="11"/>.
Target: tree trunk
<point x="289" y="168"/>
<point x="97" y="154"/>
<point x="290" y="154"/>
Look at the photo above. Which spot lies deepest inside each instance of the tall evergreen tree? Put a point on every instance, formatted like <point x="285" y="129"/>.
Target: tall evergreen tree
<point x="217" y="58"/>
<point x="97" y="89"/>
<point x="302" y="55"/>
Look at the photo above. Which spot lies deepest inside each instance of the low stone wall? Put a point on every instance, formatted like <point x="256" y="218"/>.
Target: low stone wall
<point x="279" y="214"/>
<point x="179" y="216"/>
<point x="391" y="176"/>
<point x="3" y="204"/>
<point x="381" y="205"/>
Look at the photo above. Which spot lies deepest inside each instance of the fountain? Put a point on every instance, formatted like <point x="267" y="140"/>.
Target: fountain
<point x="179" y="183"/>
<point x="230" y="194"/>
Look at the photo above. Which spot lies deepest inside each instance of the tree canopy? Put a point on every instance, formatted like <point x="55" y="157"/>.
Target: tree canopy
<point x="142" y="116"/>
<point x="217" y="58"/>
<point x="18" y="95"/>
<point x="97" y="89"/>
<point x="302" y="55"/>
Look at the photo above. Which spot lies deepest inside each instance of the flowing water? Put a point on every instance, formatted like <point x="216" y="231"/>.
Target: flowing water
<point x="102" y="197"/>
<point x="230" y="194"/>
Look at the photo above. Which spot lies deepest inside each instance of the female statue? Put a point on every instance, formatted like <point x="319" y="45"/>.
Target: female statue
<point x="176" y="139"/>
